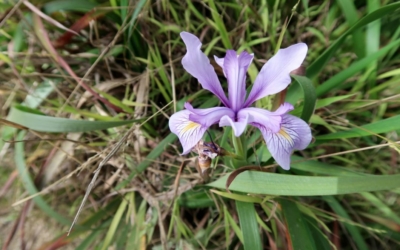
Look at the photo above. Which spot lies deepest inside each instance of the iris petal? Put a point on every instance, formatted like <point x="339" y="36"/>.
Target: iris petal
<point x="238" y="126"/>
<point x="235" y="68"/>
<point x="198" y="65"/>
<point x="294" y="134"/>
<point x="261" y="117"/>
<point x="188" y="132"/>
<point x="210" y="116"/>
<point x="275" y="74"/>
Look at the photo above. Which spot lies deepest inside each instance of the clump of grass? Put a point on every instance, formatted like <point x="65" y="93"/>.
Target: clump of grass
<point x="116" y="63"/>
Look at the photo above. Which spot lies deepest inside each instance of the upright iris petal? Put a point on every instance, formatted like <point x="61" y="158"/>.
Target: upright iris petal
<point x="282" y="132"/>
<point x="198" y="65"/>
<point x="274" y="75"/>
<point x="235" y="69"/>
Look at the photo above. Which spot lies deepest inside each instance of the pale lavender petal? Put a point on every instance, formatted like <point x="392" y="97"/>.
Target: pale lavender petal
<point x="261" y="117"/>
<point x="238" y="126"/>
<point x="235" y="69"/>
<point x="294" y="134"/>
<point x="284" y="108"/>
<point x="275" y="74"/>
<point x="198" y="65"/>
<point x="209" y="116"/>
<point x="188" y="132"/>
<point x="220" y="62"/>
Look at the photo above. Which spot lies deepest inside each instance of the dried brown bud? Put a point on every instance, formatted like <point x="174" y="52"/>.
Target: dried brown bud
<point x="209" y="149"/>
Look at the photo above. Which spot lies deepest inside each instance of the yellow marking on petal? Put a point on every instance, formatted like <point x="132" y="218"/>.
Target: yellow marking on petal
<point x="283" y="133"/>
<point x="189" y="126"/>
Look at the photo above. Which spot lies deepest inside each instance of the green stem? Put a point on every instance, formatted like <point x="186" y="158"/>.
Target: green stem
<point x="239" y="143"/>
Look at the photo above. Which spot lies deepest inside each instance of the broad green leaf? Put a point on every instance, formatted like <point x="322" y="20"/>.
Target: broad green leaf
<point x="315" y="167"/>
<point x="382" y="126"/>
<point x="249" y="225"/>
<point x="309" y="96"/>
<point x="294" y="185"/>
<point x="299" y="233"/>
<point x="34" y="120"/>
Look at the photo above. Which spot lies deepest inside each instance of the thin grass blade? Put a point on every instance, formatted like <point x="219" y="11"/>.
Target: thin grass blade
<point x="382" y="126"/>
<point x="299" y="233"/>
<point x="322" y="60"/>
<point x="27" y="181"/>
<point x="353" y="230"/>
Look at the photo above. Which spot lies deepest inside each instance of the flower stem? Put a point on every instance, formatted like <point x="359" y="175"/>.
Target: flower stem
<point x="239" y="143"/>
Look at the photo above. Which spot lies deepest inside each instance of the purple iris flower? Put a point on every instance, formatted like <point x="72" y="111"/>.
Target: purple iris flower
<point x="282" y="132"/>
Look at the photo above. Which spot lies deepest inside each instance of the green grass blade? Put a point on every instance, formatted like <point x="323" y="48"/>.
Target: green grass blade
<point x="382" y="126"/>
<point x="383" y="208"/>
<point x="329" y="100"/>
<point x="27" y="181"/>
<point x="196" y="199"/>
<point x="372" y="42"/>
<point x="322" y="60"/>
<point x="149" y="159"/>
<point x="373" y="29"/>
<point x="310" y="97"/>
<point x="85" y="244"/>
<point x="351" y="15"/>
<point x="69" y="5"/>
<point x="231" y="222"/>
<point x="339" y="78"/>
<point x="33" y="100"/>
<point x="299" y="233"/>
<point x="320" y="239"/>
<point x="34" y="120"/>
<point x="249" y="226"/>
<point x="294" y="185"/>
<point x="41" y="93"/>
<point x="115" y="222"/>
<point x="138" y="8"/>
<point x="353" y="230"/>
<point x="220" y="25"/>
